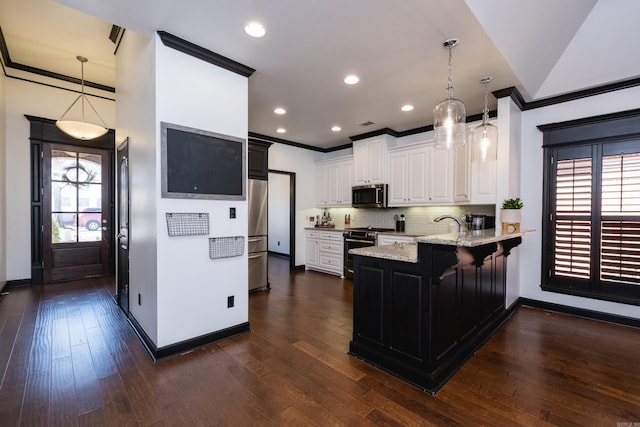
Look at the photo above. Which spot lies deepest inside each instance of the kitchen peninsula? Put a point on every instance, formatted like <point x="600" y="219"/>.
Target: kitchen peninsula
<point x="420" y="310"/>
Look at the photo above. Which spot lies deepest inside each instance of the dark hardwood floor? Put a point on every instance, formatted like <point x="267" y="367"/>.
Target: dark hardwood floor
<point x="68" y="357"/>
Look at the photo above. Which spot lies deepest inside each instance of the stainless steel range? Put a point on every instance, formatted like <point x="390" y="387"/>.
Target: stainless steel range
<point x="358" y="238"/>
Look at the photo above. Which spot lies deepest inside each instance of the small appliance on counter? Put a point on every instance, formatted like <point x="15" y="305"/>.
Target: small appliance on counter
<point x="480" y="222"/>
<point x="400" y="222"/>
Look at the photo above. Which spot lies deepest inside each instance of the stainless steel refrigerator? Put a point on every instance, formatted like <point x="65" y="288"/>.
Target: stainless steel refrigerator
<point x="258" y="230"/>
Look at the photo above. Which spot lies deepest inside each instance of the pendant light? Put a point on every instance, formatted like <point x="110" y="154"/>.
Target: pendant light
<point x="449" y="116"/>
<point x="485" y="136"/>
<point x="81" y="129"/>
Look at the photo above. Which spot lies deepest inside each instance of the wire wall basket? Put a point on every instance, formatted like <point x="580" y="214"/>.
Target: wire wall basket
<point x="187" y="224"/>
<point x="226" y="247"/>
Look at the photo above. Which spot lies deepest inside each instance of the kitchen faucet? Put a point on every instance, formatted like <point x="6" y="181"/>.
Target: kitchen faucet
<point x="441" y="217"/>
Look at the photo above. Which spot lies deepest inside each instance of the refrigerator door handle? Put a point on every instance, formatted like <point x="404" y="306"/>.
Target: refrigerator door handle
<point x="255" y="239"/>
<point x="255" y="256"/>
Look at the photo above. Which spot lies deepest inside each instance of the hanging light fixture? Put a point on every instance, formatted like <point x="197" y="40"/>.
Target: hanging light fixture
<point x="81" y="129"/>
<point x="449" y="116"/>
<point x="485" y="136"/>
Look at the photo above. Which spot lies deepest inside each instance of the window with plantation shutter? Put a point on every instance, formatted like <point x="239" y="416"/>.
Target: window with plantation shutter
<point x="591" y="218"/>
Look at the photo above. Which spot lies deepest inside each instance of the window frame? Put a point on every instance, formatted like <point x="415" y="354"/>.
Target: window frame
<point x="596" y="134"/>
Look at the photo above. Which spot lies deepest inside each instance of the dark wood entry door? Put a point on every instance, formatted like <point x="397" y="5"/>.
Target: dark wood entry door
<point x="76" y="219"/>
<point x="123" y="225"/>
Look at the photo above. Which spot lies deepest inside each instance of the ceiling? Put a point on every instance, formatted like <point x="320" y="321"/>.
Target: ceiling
<point x="542" y="47"/>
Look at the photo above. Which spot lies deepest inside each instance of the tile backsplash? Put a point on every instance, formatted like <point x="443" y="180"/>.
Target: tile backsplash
<point x="418" y="220"/>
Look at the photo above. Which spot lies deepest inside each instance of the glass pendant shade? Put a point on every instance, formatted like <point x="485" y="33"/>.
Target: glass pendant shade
<point x="449" y="124"/>
<point x="81" y="129"/>
<point x="449" y="116"/>
<point x="485" y="143"/>
<point x="485" y="136"/>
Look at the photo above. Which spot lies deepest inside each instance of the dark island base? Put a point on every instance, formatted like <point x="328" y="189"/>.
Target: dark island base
<point x="429" y="381"/>
<point x="421" y="322"/>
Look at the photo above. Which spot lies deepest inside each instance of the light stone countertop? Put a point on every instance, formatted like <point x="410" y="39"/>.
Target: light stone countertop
<point x="471" y="238"/>
<point x="405" y="252"/>
<point x="408" y="252"/>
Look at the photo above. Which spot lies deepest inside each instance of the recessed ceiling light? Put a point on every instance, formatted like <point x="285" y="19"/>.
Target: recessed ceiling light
<point x="336" y="128"/>
<point x="281" y="130"/>
<point x="351" y="79"/>
<point x="407" y="107"/>
<point x="255" y="29"/>
<point x="280" y="110"/>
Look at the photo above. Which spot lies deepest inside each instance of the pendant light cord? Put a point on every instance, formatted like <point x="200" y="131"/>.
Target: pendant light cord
<point x="485" y="111"/>
<point x="449" y="82"/>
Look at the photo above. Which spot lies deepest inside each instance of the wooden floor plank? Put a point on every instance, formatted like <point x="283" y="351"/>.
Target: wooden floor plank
<point x="68" y="356"/>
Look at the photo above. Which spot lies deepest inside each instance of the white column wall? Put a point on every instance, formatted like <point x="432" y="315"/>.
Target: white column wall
<point x="24" y="97"/>
<point x="193" y="289"/>
<point x="3" y="183"/>
<point x="136" y="119"/>
<point x="531" y="170"/>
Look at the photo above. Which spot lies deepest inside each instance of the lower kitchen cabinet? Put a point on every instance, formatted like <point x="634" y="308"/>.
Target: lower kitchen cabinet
<point x="390" y="239"/>
<point x="325" y="251"/>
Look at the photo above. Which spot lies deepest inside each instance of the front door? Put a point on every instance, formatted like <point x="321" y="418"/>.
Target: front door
<point x="123" y="225"/>
<point x="75" y="212"/>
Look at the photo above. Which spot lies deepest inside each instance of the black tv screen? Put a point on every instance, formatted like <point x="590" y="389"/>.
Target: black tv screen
<point x="199" y="164"/>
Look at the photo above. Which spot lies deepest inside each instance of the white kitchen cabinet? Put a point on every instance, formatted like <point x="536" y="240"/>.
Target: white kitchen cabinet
<point x="421" y="176"/>
<point x="483" y="182"/>
<point x="390" y="239"/>
<point x="474" y="182"/>
<point x="408" y="173"/>
<point x="313" y="249"/>
<point x="461" y="174"/>
<point x="333" y="183"/>
<point x="325" y="251"/>
<point x="441" y="176"/>
<point x="370" y="161"/>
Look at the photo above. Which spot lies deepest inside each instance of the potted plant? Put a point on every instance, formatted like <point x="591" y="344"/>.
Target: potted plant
<point x="511" y="215"/>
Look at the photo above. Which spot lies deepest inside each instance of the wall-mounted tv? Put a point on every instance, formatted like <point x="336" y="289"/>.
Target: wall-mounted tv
<point x="198" y="164"/>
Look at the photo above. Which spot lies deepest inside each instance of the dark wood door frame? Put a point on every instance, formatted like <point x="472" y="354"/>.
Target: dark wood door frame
<point x="292" y="218"/>
<point x="44" y="130"/>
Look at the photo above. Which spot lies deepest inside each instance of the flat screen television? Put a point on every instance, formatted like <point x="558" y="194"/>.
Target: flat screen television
<point x="198" y="164"/>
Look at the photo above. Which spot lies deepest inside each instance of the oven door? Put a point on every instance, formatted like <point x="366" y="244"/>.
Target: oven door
<point x="353" y="243"/>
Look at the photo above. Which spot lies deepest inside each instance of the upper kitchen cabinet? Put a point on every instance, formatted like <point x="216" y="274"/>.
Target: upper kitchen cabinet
<point x="408" y="177"/>
<point x="370" y="160"/>
<point x="441" y="176"/>
<point x="333" y="183"/>
<point x="258" y="163"/>
<point x="420" y="175"/>
<point x="474" y="182"/>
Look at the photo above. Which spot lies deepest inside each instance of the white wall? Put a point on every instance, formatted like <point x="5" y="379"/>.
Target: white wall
<point x="302" y="162"/>
<point x="3" y="184"/>
<point x="279" y="213"/>
<point x="136" y="119"/>
<point x="183" y="292"/>
<point x="193" y="289"/>
<point x="531" y="192"/>
<point x="24" y="97"/>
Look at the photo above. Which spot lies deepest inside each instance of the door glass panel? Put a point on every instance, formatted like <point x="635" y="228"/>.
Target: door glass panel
<point x="61" y="231"/>
<point x="76" y="197"/>
<point x="89" y="168"/>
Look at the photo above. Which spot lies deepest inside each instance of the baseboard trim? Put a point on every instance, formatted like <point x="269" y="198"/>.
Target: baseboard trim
<point x="580" y="312"/>
<point x="187" y="345"/>
<point x="17" y="283"/>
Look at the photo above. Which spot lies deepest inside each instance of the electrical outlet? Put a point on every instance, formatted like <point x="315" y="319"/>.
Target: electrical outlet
<point x="278" y="243"/>
<point x="232" y="213"/>
<point x="230" y="301"/>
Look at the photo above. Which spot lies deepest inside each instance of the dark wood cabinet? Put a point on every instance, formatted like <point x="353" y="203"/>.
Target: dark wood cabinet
<point x="258" y="163"/>
<point x="422" y="321"/>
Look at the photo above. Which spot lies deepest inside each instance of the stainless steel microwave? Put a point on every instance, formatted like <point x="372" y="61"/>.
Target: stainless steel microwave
<point x="369" y="196"/>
